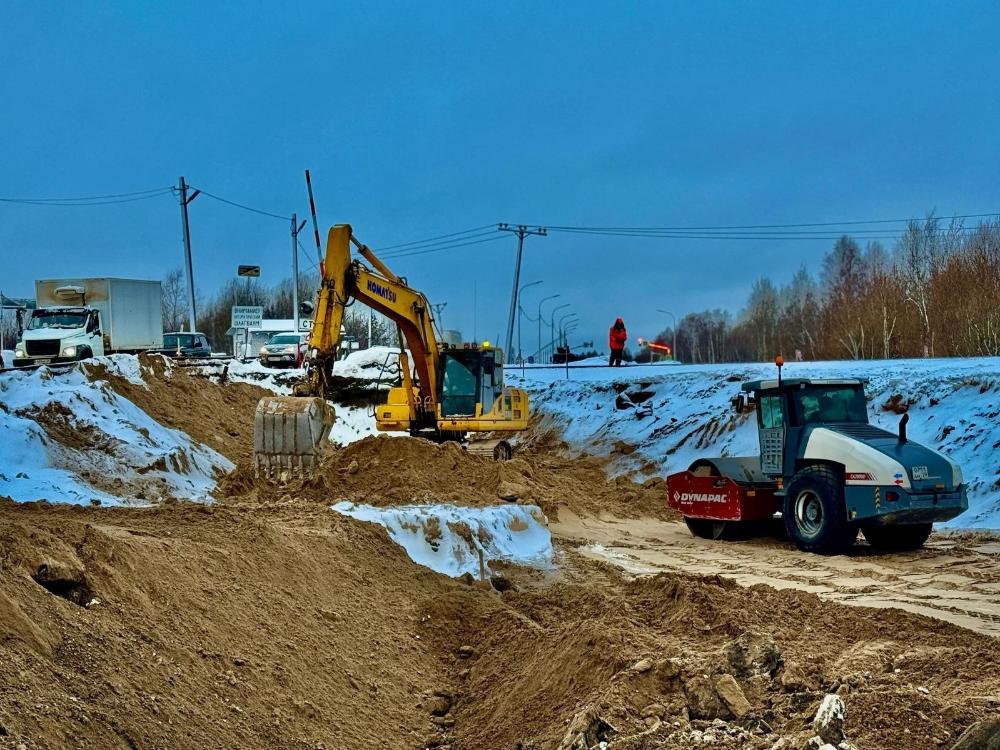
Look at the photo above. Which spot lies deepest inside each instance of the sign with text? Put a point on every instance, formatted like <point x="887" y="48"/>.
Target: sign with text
<point x="246" y="316"/>
<point x="248" y="271"/>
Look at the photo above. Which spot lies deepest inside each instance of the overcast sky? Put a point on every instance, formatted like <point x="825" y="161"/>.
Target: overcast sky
<point x="423" y="119"/>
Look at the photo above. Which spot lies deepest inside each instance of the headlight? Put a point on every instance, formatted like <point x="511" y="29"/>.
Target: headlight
<point x="20" y="353"/>
<point x="69" y="351"/>
<point x="263" y="351"/>
<point x="290" y="349"/>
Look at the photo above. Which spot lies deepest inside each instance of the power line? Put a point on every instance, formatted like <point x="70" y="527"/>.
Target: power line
<point x="96" y="200"/>
<point x="446" y="247"/>
<point x="771" y="226"/>
<point x="432" y="239"/>
<point x="244" y="207"/>
<point x="308" y="258"/>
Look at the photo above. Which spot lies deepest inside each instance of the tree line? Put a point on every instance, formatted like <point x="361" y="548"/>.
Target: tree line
<point x="935" y="293"/>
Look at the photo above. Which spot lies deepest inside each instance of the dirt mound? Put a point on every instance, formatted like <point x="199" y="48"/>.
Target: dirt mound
<point x="219" y="416"/>
<point x="657" y="661"/>
<point x="382" y="470"/>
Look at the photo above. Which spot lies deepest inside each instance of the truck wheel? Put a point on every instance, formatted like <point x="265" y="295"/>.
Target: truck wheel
<point x="815" y="514"/>
<point x="84" y="353"/>
<point x="903" y="538"/>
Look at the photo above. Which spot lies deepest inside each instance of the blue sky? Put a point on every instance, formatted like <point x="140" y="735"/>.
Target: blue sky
<point x="420" y="119"/>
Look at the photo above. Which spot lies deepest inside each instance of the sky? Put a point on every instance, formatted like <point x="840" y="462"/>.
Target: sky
<point x="424" y="119"/>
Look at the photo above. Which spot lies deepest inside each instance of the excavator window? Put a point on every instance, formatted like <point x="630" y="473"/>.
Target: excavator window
<point x="460" y="384"/>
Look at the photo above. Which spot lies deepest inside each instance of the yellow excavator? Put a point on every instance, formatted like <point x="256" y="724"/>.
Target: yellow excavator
<point x="452" y="393"/>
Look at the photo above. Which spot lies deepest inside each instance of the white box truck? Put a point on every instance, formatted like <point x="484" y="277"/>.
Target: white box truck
<point x="80" y="318"/>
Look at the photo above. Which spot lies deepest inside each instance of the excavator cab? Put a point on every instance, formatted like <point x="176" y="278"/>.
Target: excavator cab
<point x="470" y="377"/>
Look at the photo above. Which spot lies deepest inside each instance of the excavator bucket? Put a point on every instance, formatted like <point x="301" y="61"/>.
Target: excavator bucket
<point x="289" y="433"/>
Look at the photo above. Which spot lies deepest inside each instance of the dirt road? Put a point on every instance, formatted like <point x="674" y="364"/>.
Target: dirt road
<point x="955" y="578"/>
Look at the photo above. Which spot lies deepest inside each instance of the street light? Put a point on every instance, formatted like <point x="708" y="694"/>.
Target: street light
<point x="562" y="320"/>
<point x="570" y="327"/>
<point x="673" y="349"/>
<point x="533" y="283"/>
<point x="552" y="325"/>
<point x="540" y="302"/>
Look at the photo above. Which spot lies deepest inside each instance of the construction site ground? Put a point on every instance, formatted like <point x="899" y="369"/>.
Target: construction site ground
<point x="265" y="620"/>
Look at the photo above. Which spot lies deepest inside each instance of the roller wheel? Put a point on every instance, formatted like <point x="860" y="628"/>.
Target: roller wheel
<point x="706" y="528"/>
<point x="815" y="513"/>
<point x="898" y="538"/>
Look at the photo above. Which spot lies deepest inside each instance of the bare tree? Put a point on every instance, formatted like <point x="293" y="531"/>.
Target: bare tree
<point x="174" y="298"/>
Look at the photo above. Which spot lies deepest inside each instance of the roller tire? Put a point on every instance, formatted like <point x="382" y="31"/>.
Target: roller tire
<point x="706" y="528"/>
<point x="815" y="513"/>
<point x="904" y="538"/>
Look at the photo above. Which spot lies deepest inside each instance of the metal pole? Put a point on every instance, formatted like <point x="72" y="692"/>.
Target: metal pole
<point x="513" y="294"/>
<point x="673" y="318"/>
<point x="544" y="299"/>
<point x="520" y="356"/>
<point x="312" y="210"/>
<point x="192" y="312"/>
<point x="521" y="231"/>
<point x="295" y="275"/>
<point x="552" y="327"/>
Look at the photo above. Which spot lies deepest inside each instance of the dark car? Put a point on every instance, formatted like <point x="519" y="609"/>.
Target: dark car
<point x="185" y="346"/>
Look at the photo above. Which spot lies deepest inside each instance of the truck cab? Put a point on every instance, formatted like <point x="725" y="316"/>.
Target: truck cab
<point x="60" y="334"/>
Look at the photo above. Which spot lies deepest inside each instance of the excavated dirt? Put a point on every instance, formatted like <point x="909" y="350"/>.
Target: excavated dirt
<point x="268" y="621"/>
<point x="384" y="470"/>
<point x="213" y="627"/>
<point x="219" y="416"/>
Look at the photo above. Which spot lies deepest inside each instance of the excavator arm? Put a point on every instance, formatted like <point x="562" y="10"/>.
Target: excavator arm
<point x="344" y="280"/>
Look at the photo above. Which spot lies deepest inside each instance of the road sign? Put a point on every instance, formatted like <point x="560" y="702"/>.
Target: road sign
<point x="248" y="271"/>
<point x="247" y="317"/>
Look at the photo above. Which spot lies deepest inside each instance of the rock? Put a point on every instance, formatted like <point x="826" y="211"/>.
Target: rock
<point x="794" y="679"/>
<point x="587" y="730"/>
<point x="643" y="665"/>
<point x="753" y="654"/>
<point x="655" y="710"/>
<point x="353" y="467"/>
<point x="510" y="492"/>
<point x="465" y="652"/>
<point x="438" y="705"/>
<point x="703" y="702"/>
<point x="669" y="669"/>
<point x="732" y="695"/>
<point x="983" y="735"/>
<point x="829" y="720"/>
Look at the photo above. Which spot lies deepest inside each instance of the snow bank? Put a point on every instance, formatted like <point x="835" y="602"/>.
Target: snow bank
<point x="7" y="357"/>
<point x="954" y="405"/>
<point x="455" y="540"/>
<point x="69" y="440"/>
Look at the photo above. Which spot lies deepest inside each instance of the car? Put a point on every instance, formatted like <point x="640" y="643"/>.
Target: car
<point x="284" y="350"/>
<point x="184" y="345"/>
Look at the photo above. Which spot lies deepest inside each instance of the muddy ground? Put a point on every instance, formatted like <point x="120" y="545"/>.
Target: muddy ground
<point x="267" y="621"/>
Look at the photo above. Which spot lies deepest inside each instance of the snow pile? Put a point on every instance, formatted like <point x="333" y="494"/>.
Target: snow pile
<point x="70" y="440"/>
<point x="7" y="357"/>
<point x="455" y="540"/>
<point x="672" y="417"/>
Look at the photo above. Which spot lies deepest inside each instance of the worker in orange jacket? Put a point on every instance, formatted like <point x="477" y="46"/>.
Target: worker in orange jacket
<point x="617" y="337"/>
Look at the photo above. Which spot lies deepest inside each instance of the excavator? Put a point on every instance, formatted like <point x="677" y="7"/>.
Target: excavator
<point x="453" y="392"/>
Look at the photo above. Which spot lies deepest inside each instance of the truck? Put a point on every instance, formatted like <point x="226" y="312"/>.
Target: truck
<point x="90" y="317"/>
<point x="825" y="469"/>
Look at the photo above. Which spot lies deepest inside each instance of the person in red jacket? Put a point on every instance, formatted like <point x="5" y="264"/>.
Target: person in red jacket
<point x="617" y="337"/>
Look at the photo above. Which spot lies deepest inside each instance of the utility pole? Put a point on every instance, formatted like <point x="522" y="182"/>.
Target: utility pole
<point x="185" y="200"/>
<point x="296" y="228"/>
<point x="521" y="231"/>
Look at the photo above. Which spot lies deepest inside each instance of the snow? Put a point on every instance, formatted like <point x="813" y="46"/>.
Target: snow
<point x="954" y="410"/>
<point x="7" y="355"/>
<point x="454" y="540"/>
<point x="119" y="454"/>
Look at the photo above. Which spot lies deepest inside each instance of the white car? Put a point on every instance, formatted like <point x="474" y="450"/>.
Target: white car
<point x="284" y="350"/>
